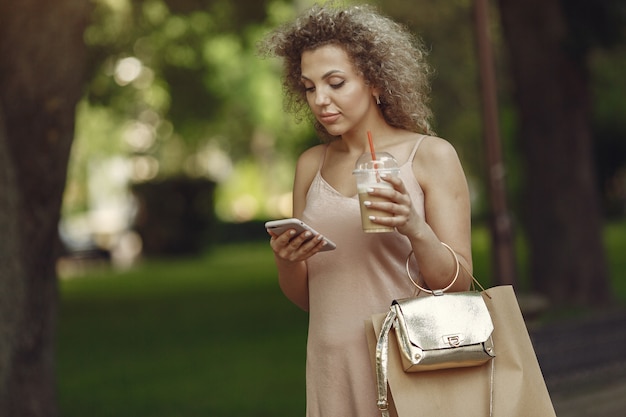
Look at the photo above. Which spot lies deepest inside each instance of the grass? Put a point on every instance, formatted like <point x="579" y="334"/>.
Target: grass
<point x="198" y="337"/>
<point x="209" y="336"/>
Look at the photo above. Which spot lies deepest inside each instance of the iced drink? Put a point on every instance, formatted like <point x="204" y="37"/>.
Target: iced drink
<point x="368" y="174"/>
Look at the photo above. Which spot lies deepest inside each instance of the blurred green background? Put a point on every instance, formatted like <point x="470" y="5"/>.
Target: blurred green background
<point x="169" y="300"/>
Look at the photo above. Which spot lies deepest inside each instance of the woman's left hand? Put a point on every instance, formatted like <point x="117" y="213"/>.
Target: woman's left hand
<point x="402" y="213"/>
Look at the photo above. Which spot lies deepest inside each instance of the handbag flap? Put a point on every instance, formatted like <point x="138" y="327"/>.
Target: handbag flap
<point x="445" y="321"/>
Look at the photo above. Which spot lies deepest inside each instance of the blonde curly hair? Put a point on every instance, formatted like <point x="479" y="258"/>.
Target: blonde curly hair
<point x="388" y="56"/>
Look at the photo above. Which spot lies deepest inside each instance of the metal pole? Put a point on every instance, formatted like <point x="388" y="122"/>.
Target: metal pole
<point x="503" y="252"/>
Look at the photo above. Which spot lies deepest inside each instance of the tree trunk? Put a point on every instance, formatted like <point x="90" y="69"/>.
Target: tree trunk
<point x="561" y="201"/>
<point x="41" y="79"/>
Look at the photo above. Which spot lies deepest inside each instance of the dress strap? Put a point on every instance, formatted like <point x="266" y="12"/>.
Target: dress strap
<point x="417" y="144"/>
<point x="323" y="158"/>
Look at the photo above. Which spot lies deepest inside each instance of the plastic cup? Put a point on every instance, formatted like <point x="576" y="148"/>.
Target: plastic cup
<point x="368" y="174"/>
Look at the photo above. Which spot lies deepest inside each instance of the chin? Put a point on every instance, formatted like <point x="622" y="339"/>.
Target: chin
<point x="334" y="131"/>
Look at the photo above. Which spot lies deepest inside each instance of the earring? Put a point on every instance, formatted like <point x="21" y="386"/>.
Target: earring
<point x="378" y="100"/>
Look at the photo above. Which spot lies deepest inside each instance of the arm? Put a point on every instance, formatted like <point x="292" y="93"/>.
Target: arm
<point x="447" y="215"/>
<point x="291" y="251"/>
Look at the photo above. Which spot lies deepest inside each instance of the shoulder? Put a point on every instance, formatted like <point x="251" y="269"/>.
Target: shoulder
<point x="313" y="154"/>
<point x="436" y="160"/>
<point x="308" y="164"/>
<point x="437" y="149"/>
<point x="310" y="160"/>
<point x="435" y="153"/>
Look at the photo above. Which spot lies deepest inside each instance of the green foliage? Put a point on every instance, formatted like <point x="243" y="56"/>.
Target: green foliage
<point x="199" y="68"/>
<point x="177" y="85"/>
<point x="265" y="185"/>
<point x="96" y="128"/>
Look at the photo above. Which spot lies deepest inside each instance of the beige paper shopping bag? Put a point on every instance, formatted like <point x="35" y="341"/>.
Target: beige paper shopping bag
<point x="519" y="389"/>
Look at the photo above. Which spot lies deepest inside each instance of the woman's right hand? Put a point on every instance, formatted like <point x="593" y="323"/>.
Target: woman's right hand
<point x="292" y="247"/>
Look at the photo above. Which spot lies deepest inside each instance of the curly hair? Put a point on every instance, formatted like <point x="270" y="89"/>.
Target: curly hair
<point x="388" y="56"/>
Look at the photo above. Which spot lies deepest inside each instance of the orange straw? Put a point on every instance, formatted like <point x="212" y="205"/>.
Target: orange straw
<point x="371" y="141"/>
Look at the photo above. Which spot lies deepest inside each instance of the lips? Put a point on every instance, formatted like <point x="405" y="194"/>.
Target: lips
<point x="327" y="118"/>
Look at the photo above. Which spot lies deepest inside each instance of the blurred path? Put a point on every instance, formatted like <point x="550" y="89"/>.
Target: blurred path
<point x="584" y="365"/>
<point x="598" y="399"/>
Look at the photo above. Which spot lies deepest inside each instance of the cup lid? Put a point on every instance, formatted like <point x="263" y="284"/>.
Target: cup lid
<point x="384" y="160"/>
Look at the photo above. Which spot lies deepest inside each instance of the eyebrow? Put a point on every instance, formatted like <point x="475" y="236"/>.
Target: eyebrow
<point x="326" y="75"/>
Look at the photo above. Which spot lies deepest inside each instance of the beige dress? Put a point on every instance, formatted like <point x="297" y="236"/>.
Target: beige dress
<point x="346" y="286"/>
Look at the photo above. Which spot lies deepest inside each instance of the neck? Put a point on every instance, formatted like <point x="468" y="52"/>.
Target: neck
<point x="357" y="141"/>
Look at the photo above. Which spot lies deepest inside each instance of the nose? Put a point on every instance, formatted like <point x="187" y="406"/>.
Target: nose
<point x="321" y="99"/>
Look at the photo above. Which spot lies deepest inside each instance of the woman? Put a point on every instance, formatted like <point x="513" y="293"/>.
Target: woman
<point x="358" y="72"/>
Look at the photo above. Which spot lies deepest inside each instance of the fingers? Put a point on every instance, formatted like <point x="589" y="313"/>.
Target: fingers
<point x="296" y="247"/>
<point x="394" y="202"/>
<point x="395" y="181"/>
<point x="396" y="199"/>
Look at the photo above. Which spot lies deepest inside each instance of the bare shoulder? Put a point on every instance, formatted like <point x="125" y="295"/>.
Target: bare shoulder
<point x="314" y="152"/>
<point x="436" y="159"/>
<point x="309" y="161"/>
<point x="435" y="150"/>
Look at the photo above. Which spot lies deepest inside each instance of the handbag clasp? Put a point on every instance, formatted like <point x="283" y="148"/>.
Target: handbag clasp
<point x="454" y="340"/>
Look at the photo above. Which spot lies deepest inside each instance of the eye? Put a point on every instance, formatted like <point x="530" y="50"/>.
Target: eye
<point x="337" y="85"/>
<point x="308" y="86"/>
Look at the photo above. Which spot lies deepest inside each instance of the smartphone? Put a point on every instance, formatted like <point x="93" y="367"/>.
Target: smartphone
<point x="280" y="226"/>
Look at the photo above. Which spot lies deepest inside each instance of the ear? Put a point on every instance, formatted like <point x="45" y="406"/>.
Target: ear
<point x="376" y="95"/>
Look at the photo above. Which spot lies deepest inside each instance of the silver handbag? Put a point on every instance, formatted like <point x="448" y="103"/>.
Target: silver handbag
<point x="445" y="330"/>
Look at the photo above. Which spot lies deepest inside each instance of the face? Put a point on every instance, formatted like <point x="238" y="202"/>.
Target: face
<point x="338" y="96"/>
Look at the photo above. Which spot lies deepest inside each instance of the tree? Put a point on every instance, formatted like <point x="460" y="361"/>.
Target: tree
<point x="548" y="44"/>
<point x="41" y="79"/>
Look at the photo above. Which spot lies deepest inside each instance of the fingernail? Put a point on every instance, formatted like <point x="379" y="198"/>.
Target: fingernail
<point x="292" y="232"/>
<point x="307" y="234"/>
<point x="367" y="203"/>
<point x="384" y="176"/>
<point x="372" y="217"/>
<point x="369" y="190"/>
